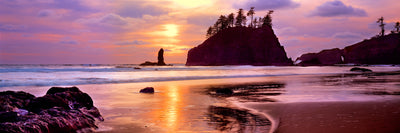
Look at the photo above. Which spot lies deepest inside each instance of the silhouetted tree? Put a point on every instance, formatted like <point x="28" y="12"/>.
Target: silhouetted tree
<point x="255" y="23"/>
<point x="209" y="32"/>
<point x="251" y="14"/>
<point x="260" y="22"/>
<point x="231" y="19"/>
<point x="223" y="21"/>
<point x="244" y="21"/>
<point x="216" y="27"/>
<point x="240" y="18"/>
<point x="382" y="25"/>
<point x="397" y="27"/>
<point x="267" y="20"/>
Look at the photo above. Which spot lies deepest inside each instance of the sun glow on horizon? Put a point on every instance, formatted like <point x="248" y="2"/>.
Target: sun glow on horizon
<point x="171" y="30"/>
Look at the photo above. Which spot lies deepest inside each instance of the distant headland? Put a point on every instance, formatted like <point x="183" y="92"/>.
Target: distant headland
<point x="381" y="49"/>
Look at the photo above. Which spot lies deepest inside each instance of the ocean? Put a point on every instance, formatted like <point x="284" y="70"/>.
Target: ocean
<point x="81" y="74"/>
<point x="185" y="100"/>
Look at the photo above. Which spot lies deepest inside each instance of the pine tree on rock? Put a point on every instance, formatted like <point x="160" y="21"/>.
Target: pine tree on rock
<point x="231" y="19"/>
<point x="267" y="20"/>
<point x="239" y="18"/>
<point x="397" y="27"/>
<point x="382" y="25"/>
<point x="251" y="14"/>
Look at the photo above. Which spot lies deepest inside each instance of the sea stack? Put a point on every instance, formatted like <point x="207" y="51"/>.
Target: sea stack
<point x="240" y="46"/>
<point x="161" y="58"/>
<point x="160" y="61"/>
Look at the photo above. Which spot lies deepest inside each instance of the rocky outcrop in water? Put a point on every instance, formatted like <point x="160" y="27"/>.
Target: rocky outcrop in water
<point x="60" y="110"/>
<point x="239" y="46"/>
<point x="378" y="50"/>
<point x="160" y="61"/>
<point x="323" y="58"/>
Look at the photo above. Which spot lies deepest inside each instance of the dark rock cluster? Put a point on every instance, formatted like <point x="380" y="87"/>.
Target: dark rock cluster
<point x="378" y="50"/>
<point x="60" y="110"/>
<point x="239" y="46"/>
<point x="323" y="58"/>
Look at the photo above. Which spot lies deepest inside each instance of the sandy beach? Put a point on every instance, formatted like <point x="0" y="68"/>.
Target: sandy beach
<point x="347" y="102"/>
<point x="333" y="117"/>
<point x="181" y="106"/>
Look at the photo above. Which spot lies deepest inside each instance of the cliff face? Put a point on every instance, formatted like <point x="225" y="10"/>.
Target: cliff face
<point x="380" y="50"/>
<point x="239" y="46"/>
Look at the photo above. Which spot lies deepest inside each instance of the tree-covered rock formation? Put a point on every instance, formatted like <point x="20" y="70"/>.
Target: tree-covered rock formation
<point x="240" y="46"/>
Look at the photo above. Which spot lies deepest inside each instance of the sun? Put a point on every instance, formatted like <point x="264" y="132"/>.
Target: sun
<point x="171" y="30"/>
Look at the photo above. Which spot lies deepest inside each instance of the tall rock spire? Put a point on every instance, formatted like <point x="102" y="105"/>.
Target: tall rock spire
<point x="161" y="58"/>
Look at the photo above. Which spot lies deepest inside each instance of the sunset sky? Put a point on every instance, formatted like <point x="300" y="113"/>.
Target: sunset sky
<point x="132" y="31"/>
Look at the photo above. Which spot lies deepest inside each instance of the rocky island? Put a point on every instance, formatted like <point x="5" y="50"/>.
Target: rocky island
<point x="255" y="44"/>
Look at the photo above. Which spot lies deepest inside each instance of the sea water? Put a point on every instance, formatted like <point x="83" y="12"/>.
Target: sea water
<point x="81" y="74"/>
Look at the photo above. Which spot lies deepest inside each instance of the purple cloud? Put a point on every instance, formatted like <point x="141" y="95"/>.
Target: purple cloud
<point x="113" y="19"/>
<point x="75" y="5"/>
<point x="45" y="13"/>
<point x="68" y="40"/>
<point x="347" y="35"/>
<point x="337" y="8"/>
<point x="135" y="9"/>
<point x="12" y="27"/>
<point x="269" y="4"/>
<point x="107" y="19"/>
<point x="134" y="42"/>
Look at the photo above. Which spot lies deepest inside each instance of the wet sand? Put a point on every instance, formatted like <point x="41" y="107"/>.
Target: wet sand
<point x="332" y="117"/>
<point x="177" y="106"/>
<point x="345" y="103"/>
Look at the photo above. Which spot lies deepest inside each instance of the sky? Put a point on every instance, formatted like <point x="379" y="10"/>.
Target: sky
<point x="132" y="31"/>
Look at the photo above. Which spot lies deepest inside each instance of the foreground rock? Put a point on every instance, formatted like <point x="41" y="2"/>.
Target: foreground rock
<point x="239" y="46"/>
<point x="358" y="69"/>
<point x="147" y="90"/>
<point x="378" y="50"/>
<point x="60" y="110"/>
